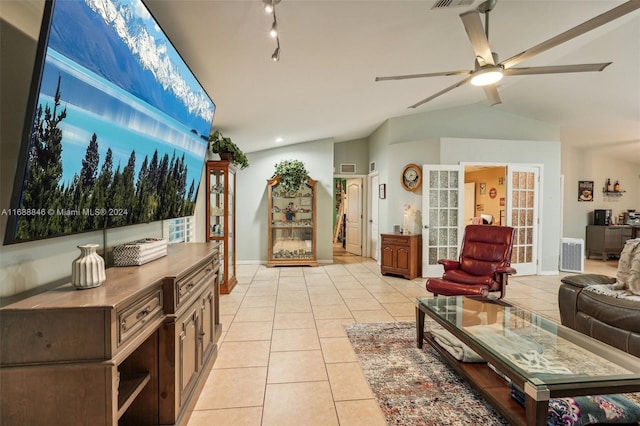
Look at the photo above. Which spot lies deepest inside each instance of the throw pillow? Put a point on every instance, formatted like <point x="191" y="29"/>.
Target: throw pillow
<point x="624" y="264"/>
<point x="587" y="410"/>
<point x="633" y="283"/>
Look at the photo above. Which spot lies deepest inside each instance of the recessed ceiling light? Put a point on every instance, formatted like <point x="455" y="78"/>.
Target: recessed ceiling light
<point x="278" y="140"/>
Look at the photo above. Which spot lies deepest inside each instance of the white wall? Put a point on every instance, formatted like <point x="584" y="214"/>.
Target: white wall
<point x="579" y="164"/>
<point x="252" y="203"/>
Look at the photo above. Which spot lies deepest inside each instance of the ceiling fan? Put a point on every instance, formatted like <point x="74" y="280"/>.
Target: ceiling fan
<point x="488" y="70"/>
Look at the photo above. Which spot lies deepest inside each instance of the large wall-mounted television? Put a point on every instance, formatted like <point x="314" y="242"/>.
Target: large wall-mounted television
<point x="117" y="125"/>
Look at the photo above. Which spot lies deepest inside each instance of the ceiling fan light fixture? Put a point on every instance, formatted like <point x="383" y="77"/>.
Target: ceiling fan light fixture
<point x="487" y="75"/>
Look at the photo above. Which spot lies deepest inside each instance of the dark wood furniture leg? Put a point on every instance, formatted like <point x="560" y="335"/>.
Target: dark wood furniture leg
<point x="419" y="327"/>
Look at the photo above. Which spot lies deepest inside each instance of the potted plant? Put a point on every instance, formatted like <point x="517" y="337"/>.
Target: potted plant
<point x="291" y="174"/>
<point x="227" y="150"/>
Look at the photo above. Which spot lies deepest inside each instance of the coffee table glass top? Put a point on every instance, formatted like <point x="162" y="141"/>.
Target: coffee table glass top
<point x="541" y="351"/>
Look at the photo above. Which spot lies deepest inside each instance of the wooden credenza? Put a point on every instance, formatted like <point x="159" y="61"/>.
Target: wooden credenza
<point x="401" y="255"/>
<point x="130" y="352"/>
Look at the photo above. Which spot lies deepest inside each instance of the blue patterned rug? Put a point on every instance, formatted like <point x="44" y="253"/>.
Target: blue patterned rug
<point x="413" y="386"/>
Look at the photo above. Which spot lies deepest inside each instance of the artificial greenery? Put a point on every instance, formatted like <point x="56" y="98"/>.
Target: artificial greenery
<point x="292" y="174"/>
<point x="219" y="144"/>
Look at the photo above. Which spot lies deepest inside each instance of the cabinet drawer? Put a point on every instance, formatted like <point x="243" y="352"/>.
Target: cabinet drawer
<point x="132" y="318"/>
<point x="190" y="285"/>
<point x="396" y="241"/>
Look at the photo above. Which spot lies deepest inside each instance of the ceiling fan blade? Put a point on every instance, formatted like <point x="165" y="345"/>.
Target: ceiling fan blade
<point x="432" y="74"/>
<point x="491" y="91"/>
<point x="477" y="37"/>
<point x="557" y="69"/>
<point x="442" y="92"/>
<point x="576" y="31"/>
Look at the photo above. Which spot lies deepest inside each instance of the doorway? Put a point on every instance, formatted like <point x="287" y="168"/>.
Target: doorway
<point x="348" y="222"/>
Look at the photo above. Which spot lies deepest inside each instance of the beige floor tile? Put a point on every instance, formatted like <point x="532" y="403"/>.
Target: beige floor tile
<point x="331" y="311"/>
<point x="325" y="299"/>
<point x="364" y="412"/>
<point x="400" y="309"/>
<point x="255" y="314"/>
<point x="284" y="320"/>
<point x="332" y="327"/>
<point x="297" y="404"/>
<point x="348" y="382"/>
<point x="298" y="306"/>
<point x="233" y="388"/>
<point x="390" y="296"/>
<point x="379" y="315"/>
<point x="365" y="304"/>
<point x="245" y="331"/>
<point x="354" y="293"/>
<point x="337" y="349"/>
<point x="297" y="366"/>
<point x="293" y="295"/>
<point x="258" y="302"/>
<point x="251" y="416"/>
<point x="300" y="339"/>
<point x="243" y="354"/>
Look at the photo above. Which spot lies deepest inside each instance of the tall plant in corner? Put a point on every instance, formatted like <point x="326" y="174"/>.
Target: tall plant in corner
<point x="292" y="174"/>
<point x="218" y="144"/>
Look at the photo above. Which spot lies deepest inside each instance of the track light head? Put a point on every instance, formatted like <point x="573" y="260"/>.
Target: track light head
<point x="274" y="29"/>
<point x="268" y="6"/>
<point x="276" y="54"/>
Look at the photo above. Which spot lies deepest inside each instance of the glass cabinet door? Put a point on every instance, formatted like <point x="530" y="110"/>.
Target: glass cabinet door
<point x="292" y="226"/>
<point x="221" y="187"/>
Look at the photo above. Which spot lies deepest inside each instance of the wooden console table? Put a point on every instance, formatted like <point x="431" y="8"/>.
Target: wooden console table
<point x="401" y="255"/>
<point x="132" y="351"/>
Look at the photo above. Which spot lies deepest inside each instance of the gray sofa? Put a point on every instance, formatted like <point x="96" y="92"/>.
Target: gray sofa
<point x="610" y="319"/>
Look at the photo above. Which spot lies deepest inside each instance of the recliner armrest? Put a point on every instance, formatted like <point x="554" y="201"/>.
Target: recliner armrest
<point x="449" y="264"/>
<point x="585" y="280"/>
<point x="505" y="270"/>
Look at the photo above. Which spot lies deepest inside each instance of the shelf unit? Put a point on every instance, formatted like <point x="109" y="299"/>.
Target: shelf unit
<point x="221" y="218"/>
<point x="292" y="235"/>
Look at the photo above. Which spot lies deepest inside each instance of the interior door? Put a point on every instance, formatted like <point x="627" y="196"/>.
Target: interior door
<point x="354" y="216"/>
<point x="469" y="202"/>
<point x="522" y="214"/>
<point x="373" y="216"/>
<point x="442" y="215"/>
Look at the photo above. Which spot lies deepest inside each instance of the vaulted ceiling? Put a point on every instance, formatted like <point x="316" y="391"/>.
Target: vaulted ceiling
<point x="332" y="50"/>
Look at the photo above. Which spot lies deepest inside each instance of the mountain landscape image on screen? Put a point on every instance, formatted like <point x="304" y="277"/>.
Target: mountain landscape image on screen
<point x="120" y="129"/>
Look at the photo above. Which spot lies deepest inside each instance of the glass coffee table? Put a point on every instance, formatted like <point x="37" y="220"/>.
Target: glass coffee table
<point x="542" y="358"/>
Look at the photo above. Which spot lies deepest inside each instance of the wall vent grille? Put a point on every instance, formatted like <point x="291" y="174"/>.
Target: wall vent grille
<point x="372" y="166"/>
<point x="572" y="255"/>
<point x="348" y="169"/>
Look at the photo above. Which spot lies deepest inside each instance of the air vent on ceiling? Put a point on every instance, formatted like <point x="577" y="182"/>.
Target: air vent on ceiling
<point x="347" y="168"/>
<point x="443" y="4"/>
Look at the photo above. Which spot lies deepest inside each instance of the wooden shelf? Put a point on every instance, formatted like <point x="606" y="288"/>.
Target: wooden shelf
<point x="129" y="388"/>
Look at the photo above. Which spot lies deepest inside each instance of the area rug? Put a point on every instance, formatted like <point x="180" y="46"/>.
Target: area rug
<point x="414" y="386"/>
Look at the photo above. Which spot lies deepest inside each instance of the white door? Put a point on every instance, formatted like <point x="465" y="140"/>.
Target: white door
<point x="469" y="202"/>
<point x="522" y="214"/>
<point x="442" y="215"/>
<point x="373" y="195"/>
<point x="354" y="216"/>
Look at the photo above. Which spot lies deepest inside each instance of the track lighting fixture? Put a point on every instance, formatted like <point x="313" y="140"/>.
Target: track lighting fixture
<point x="270" y="7"/>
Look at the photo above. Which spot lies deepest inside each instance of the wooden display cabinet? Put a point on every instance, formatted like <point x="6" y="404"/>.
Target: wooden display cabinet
<point x="401" y="255"/>
<point x="221" y="218"/>
<point x="292" y="225"/>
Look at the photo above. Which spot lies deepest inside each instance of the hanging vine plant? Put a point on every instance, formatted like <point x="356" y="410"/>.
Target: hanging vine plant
<point x="292" y="175"/>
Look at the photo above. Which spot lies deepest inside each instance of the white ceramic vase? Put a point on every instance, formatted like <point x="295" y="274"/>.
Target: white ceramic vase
<point x="87" y="271"/>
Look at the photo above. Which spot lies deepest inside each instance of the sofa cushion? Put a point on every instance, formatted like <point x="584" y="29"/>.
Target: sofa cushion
<point x="621" y="312"/>
<point x="626" y="259"/>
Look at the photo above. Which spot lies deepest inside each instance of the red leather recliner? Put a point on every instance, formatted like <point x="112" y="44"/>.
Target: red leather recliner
<point x="484" y="264"/>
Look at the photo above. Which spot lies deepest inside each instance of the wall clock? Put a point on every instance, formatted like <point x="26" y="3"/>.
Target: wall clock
<point x="411" y="177"/>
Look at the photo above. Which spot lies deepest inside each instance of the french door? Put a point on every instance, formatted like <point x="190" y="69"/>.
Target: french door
<point x="522" y="214"/>
<point x="442" y="215"/>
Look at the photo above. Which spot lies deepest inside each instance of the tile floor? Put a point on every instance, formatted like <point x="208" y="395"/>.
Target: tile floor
<point x="284" y="357"/>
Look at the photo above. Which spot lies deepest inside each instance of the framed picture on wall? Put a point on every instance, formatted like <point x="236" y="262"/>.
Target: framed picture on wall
<point x="483" y="188"/>
<point x="585" y="190"/>
<point x="382" y="191"/>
